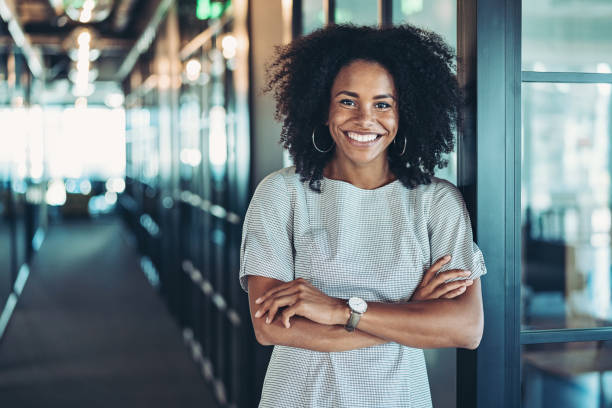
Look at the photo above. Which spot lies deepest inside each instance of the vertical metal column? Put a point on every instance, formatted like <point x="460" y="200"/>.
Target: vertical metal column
<point x="329" y="9"/>
<point x="385" y="13"/>
<point x="466" y="168"/>
<point x="489" y="174"/>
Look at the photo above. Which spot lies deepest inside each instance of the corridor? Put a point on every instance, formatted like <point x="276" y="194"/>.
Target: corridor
<point x="89" y="330"/>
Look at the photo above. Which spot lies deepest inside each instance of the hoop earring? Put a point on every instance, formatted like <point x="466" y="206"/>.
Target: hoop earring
<point x="405" y="143"/>
<point x="315" y="145"/>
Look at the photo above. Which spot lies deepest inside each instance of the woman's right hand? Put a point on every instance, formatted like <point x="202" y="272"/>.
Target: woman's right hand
<point x="434" y="286"/>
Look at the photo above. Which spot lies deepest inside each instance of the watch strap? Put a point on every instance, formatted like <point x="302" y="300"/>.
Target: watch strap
<point x="352" y="321"/>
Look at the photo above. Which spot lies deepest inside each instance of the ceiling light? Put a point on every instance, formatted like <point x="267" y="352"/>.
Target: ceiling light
<point x="114" y="100"/>
<point x="193" y="69"/>
<point x="84" y="37"/>
<point x="88" y="11"/>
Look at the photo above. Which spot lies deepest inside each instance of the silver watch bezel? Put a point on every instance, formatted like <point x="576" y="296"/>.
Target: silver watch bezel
<point x="357" y="305"/>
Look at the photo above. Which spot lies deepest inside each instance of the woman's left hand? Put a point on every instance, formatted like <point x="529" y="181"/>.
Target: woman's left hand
<point x="303" y="299"/>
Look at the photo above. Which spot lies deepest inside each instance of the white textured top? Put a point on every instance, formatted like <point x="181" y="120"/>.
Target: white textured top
<point x="374" y="244"/>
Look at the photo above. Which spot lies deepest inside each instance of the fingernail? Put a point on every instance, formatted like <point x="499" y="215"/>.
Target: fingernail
<point x="258" y="300"/>
<point x="447" y="257"/>
<point x="287" y="325"/>
<point x="461" y="289"/>
<point x="469" y="282"/>
<point x="466" y="273"/>
<point x="258" y="313"/>
<point x="268" y="320"/>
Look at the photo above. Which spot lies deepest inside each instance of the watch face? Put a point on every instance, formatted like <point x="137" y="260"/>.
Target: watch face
<point x="357" y="304"/>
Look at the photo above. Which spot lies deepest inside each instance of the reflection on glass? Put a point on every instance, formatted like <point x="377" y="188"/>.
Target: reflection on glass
<point x="566" y="35"/>
<point x="193" y="68"/>
<point x="358" y="12"/>
<point x="313" y="17"/>
<point x="566" y="221"/>
<point x="190" y="153"/>
<point x="567" y="375"/>
<point x="35" y="157"/>
<point x="56" y="193"/>
<point x="439" y="16"/>
<point x="217" y="137"/>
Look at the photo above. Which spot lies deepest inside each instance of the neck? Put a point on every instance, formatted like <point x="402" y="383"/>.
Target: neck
<point x="367" y="177"/>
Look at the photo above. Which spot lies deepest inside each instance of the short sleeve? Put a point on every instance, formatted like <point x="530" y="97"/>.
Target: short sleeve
<point x="267" y="233"/>
<point x="450" y="231"/>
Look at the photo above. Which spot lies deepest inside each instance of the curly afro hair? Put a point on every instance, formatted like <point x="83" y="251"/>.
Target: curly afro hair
<point x="422" y="66"/>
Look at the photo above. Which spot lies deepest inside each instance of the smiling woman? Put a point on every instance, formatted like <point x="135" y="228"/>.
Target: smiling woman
<point x="362" y="122"/>
<point x="419" y="74"/>
<point x="359" y="257"/>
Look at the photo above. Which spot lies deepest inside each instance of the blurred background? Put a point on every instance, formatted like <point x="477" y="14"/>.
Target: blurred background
<point x="132" y="135"/>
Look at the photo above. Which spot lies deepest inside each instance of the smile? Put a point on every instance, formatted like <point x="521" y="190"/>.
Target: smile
<point x="361" y="139"/>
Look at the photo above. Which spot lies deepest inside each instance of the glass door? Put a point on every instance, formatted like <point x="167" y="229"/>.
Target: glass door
<point x="566" y="162"/>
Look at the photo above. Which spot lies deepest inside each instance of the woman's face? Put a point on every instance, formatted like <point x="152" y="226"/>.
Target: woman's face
<point x="363" y="116"/>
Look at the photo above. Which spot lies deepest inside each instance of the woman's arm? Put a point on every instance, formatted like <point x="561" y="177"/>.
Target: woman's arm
<point x="319" y="319"/>
<point x="436" y="323"/>
<point x="303" y="333"/>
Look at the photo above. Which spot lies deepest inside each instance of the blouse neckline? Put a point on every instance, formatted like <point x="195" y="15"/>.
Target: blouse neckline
<point x="349" y="185"/>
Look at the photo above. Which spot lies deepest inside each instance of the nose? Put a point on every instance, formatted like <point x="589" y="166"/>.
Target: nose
<point x="365" y="116"/>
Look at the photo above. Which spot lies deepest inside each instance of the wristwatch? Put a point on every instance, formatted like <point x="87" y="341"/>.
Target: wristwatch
<point x="358" y="307"/>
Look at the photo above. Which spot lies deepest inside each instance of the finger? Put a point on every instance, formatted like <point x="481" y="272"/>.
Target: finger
<point x="278" y="303"/>
<point x="431" y="271"/>
<point x="454" y="293"/>
<point x="278" y="288"/>
<point x="444" y="277"/>
<point x="272" y="291"/>
<point x="450" y="287"/>
<point x="265" y="307"/>
<point x="288" y="313"/>
<point x="268" y="300"/>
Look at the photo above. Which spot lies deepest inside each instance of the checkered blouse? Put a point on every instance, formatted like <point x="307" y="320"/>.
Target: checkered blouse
<point x="374" y="244"/>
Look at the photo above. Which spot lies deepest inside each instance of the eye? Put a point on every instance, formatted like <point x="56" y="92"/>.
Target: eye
<point x="347" y="102"/>
<point x="382" y="105"/>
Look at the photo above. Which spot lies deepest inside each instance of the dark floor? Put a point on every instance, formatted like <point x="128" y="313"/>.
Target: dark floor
<point x="89" y="330"/>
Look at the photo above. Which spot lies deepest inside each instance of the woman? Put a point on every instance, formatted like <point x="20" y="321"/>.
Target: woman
<point x="337" y="252"/>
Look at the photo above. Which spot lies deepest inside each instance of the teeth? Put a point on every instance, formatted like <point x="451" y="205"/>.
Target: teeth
<point x="361" y="138"/>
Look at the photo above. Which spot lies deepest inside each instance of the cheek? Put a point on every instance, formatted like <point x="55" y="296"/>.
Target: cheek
<point x="338" y="115"/>
<point x="336" y="112"/>
<point x="390" y="123"/>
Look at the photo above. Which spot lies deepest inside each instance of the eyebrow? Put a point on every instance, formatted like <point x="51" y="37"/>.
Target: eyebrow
<point x="356" y="95"/>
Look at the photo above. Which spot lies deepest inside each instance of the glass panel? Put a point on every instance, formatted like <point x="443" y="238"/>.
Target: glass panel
<point x="439" y="16"/>
<point x="567" y="35"/>
<point x="358" y="12"/>
<point x="567" y="375"/>
<point x="6" y="213"/>
<point x="566" y="217"/>
<point x="312" y="15"/>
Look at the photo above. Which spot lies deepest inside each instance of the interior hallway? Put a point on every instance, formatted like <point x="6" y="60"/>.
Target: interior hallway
<point x="89" y="330"/>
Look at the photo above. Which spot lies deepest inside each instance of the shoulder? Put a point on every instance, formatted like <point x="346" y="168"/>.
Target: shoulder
<point x="277" y="186"/>
<point x="438" y="195"/>
<point x="444" y="188"/>
<point x="446" y="201"/>
<point x="435" y="189"/>
<point x="277" y="179"/>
